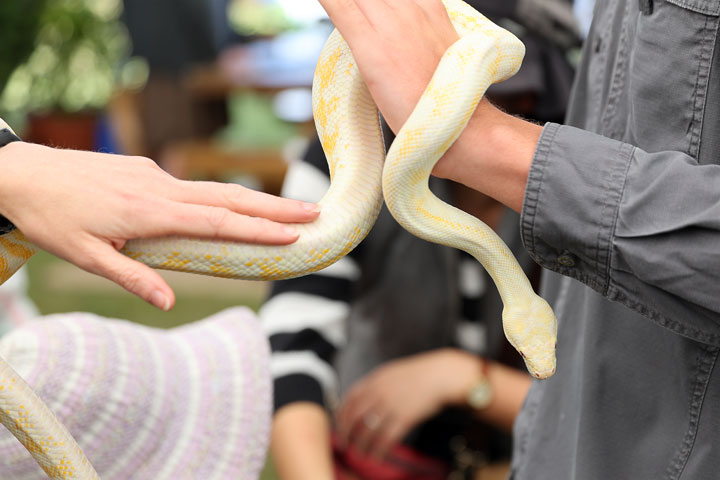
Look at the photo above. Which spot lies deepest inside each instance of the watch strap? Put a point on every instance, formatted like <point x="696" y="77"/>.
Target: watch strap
<point x="6" y="137"/>
<point x="481" y="394"/>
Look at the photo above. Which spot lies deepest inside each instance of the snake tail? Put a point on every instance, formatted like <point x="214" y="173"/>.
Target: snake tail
<point x="36" y="427"/>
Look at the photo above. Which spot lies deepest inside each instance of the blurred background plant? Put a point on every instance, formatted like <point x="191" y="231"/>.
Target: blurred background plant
<point x="19" y="22"/>
<point x="255" y="17"/>
<point x="271" y="17"/>
<point x="63" y="55"/>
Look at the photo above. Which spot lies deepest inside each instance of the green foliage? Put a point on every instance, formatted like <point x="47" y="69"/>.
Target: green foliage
<point x="256" y="17"/>
<point x="253" y="123"/>
<point x="77" y="49"/>
<point x="56" y="287"/>
<point x="19" y="23"/>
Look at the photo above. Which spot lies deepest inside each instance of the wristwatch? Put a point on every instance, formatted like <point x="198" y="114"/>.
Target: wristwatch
<point x="7" y="136"/>
<point x="481" y="394"/>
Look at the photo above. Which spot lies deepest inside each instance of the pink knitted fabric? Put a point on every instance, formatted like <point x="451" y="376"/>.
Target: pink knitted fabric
<point x="189" y="403"/>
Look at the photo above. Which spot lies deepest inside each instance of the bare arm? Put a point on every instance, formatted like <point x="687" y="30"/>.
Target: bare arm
<point x="300" y="445"/>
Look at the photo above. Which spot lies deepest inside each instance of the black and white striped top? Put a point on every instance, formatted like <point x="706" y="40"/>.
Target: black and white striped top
<point x="306" y="318"/>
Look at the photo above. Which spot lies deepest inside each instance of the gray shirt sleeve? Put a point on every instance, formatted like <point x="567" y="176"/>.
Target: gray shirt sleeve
<point x="641" y="228"/>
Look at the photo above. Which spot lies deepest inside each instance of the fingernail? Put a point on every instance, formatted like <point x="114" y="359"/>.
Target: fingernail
<point x="291" y="231"/>
<point x="160" y="300"/>
<point x="311" y="207"/>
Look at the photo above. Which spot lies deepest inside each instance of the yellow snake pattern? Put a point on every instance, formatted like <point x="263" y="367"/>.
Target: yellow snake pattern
<point x="347" y="122"/>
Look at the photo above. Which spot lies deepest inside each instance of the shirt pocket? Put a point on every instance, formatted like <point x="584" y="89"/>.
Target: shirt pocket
<point x="669" y="66"/>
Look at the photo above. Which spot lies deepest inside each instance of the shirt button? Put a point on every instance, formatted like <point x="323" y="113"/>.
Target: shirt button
<point x="566" y="259"/>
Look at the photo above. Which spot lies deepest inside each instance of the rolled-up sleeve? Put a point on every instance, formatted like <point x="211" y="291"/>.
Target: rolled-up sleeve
<point x="640" y="228"/>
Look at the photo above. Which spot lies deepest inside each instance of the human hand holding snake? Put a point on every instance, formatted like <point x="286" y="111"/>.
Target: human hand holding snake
<point x="84" y="207"/>
<point x="347" y="121"/>
<point x="397" y="45"/>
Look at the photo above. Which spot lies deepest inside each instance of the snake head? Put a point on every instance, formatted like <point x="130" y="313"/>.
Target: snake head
<point x="532" y="330"/>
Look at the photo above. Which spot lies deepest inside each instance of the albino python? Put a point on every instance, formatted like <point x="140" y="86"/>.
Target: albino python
<point x="348" y="126"/>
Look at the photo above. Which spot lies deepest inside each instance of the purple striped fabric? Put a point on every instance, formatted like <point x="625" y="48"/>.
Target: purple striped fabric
<point x="188" y="403"/>
<point x="16" y="307"/>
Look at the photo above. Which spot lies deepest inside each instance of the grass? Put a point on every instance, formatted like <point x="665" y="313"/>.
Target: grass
<point x="56" y="287"/>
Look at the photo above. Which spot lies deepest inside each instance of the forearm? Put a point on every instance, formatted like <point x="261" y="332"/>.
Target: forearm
<point x="15" y="173"/>
<point x="300" y="445"/>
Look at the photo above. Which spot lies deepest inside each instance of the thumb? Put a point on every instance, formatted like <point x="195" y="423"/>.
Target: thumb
<point x="130" y="274"/>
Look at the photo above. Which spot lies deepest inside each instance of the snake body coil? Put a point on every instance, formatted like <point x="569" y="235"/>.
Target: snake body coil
<point x="348" y="126"/>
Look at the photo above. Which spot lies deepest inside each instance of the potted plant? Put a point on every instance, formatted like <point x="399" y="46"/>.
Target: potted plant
<point x="70" y="72"/>
<point x="19" y="22"/>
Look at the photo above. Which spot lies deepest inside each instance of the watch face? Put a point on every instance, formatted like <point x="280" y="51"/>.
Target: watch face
<point x="480" y="396"/>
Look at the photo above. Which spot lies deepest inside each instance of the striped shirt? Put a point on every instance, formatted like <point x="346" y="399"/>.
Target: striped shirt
<point x="307" y="318"/>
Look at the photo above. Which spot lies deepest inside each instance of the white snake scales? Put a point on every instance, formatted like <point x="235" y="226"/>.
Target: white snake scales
<point x="348" y="126"/>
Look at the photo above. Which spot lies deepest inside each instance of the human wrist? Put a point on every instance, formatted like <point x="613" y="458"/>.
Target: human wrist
<point x="18" y="166"/>
<point x="12" y="182"/>
<point x="493" y="155"/>
<point x="468" y="370"/>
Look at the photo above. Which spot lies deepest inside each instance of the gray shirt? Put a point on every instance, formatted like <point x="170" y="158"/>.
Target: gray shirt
<point x="624" y="207"/>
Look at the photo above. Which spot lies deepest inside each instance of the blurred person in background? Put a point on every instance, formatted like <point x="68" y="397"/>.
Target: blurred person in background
<point x="377" y="355"/>
<point x="392" y="363"/>
<point x="174" y="36"/>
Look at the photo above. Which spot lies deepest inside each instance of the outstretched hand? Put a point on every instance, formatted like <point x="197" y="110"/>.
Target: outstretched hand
<point x="84" y="207"/>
